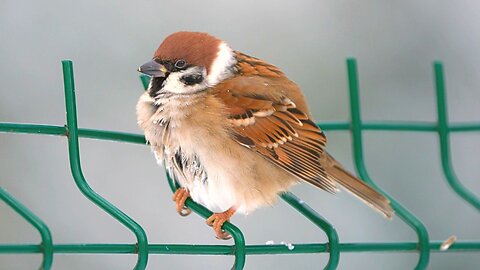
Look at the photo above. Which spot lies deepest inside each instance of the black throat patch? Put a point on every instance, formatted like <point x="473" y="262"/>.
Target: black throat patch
<point x="157" y="84"/>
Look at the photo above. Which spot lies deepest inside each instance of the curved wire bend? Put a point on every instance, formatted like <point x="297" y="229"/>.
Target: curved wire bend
<point x="443" y="133"/>
<point x="333" y="246"/>
<point x="356" y="129"/>
<point x="76" y="169"/>
<point x="47" y="244"/>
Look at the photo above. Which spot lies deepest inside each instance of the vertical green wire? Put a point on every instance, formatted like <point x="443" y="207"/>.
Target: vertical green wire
<point x="356" y="130"/>
<point x="333" y="241"/>
<point x="47" y="243"/>
<point x="75" y="166"/>
<point x="443" y="132"/>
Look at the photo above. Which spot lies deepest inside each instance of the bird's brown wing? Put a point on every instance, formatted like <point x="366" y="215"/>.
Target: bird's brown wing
<point x="265" y="119"/>
<point x="269" y="115"/>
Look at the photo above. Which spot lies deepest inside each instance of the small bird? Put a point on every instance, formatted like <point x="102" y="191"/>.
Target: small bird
<point x="234" y="131"/>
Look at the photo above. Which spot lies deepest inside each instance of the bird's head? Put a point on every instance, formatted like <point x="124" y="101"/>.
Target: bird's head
<point x="188" y="63"/>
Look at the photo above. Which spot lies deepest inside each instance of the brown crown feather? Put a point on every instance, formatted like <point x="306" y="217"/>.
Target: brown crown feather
<point x="199" y="49"/>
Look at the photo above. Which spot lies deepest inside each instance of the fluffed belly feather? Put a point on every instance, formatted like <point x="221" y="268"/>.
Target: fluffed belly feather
<point x="200" y="153"/>
<point x="224" y="174"/>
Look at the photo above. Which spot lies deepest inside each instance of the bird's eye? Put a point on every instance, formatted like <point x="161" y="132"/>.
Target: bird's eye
<point x="180" y="64"/>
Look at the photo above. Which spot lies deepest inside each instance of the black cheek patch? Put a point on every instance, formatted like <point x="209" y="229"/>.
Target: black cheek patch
<point x="192" y="79"/>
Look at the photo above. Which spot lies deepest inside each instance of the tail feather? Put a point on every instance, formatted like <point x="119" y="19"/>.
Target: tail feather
<point x="360" y="189"/>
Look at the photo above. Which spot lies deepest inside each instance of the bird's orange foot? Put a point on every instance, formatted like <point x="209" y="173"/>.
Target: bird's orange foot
<point x="216" y="221"/>
<point x="179" y="197"/>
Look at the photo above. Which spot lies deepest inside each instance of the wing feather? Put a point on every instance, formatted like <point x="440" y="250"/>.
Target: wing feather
<point x="269" y="115"/>
<point x="276" y="128"/>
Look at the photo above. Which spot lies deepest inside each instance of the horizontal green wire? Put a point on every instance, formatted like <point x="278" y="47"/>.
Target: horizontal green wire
<point x="140" y="139"/>
<point x="82" y="132"/>
<point x="229" y="249"/>
<point x="400" y="126"/>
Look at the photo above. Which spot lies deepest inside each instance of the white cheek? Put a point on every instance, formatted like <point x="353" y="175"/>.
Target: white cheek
<point x="173" y="84"/>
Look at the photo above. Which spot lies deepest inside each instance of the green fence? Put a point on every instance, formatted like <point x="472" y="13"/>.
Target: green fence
<point x="240" y="250"/>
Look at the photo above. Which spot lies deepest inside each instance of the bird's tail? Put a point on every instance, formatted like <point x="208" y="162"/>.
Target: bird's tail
<point x="360" y="189"/>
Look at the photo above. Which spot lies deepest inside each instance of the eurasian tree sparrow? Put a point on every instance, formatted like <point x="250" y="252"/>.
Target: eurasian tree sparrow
<point x="234" y="131"/>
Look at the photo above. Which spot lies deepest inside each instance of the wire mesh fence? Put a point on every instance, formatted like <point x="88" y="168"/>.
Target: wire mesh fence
<point x="423" y="246"/>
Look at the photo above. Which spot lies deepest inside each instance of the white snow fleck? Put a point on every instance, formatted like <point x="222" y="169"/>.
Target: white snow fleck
<point x="288" y="245"/>
<point x="270" y="242"/>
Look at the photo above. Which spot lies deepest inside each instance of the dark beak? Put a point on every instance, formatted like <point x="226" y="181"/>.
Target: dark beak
<point x="153" y="69"/>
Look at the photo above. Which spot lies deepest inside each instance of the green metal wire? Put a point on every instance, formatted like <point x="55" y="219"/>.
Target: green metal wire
<point x="237" y="235"/>
<point x="75" y="166"/>
<point x="46" y="247"/>
<point x="443" y="133"/>
<point x="240" y="249"/>
<point x="63" y="131"/>
<point x="168" y="249"/>
<point x="356" y="129"/>
<point x="333" y="246"/>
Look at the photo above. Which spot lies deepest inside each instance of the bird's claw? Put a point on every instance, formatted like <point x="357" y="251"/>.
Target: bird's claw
<point x="179" y="197"/>
<point x="217" y="220"/>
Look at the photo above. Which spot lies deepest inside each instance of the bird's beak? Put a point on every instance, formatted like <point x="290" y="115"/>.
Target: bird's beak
<point x="153" y="69"/>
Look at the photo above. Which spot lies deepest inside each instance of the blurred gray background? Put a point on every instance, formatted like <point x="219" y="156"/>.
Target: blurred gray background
<point x="395" y="43"/>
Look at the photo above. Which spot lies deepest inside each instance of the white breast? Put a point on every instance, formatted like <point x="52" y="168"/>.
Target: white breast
<point x="235" y="176"/>
<point x="209" y="181"/>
